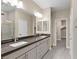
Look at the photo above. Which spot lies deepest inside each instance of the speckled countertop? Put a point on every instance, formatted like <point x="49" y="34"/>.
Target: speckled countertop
<point x="7" y="49"/>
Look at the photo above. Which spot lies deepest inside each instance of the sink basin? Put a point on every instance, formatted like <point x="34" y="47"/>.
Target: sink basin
<point x="18" y="44"/>
<point x="42" y="36"/>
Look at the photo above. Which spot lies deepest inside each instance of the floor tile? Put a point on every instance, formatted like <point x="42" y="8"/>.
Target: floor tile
<point x="58" y="52"/>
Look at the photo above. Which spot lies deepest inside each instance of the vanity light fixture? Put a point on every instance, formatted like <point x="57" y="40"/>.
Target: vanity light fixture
<point x="20" y="5"/>
<point x="17" y="3"/>
<point x="37" y="14"/>
<point x="5" y="1"/>
<point x="12" y="2"/>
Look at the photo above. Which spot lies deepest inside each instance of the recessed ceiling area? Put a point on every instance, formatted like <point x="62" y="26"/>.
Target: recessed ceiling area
<point x="55" y="4"/>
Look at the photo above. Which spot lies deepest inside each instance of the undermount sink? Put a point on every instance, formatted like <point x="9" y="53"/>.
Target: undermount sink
<point x="18" y="44"/>
<point x="42" y="36"/>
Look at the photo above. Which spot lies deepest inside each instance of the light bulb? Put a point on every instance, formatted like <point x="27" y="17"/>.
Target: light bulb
<point x="37" y="14"/>
<point x="13" y="2"/>
<point x="20" y="4"/>
<point x="5" y="1"/>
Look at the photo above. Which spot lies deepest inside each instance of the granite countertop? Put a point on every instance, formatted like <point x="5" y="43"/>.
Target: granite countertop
<point x="7" y="49"/>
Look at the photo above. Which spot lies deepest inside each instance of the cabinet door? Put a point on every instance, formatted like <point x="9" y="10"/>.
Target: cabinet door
<point x="22" y="57"/>
<point x="17" y="55"/>
<point x="32" y="54"/>
<point x="39" y="52"/>
<point x="42" y="48"/>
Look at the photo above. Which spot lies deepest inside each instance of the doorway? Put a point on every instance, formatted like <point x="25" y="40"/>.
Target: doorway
<point x="61" y="30"/>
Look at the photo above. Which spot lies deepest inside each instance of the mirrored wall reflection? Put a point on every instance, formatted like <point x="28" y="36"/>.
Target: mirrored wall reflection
<point x="7" y="21"/>
<point x="16" y="22"/>
<point x="45" y="25"/>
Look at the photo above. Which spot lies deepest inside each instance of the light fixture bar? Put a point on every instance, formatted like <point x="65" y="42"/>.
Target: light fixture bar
<point x="37" y="14"/>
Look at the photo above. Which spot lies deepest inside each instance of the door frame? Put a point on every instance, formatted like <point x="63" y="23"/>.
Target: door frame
<point x="67" y="31"/>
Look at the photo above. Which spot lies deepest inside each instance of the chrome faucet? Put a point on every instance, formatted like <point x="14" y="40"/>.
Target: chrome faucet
<point x="15" y="39"/>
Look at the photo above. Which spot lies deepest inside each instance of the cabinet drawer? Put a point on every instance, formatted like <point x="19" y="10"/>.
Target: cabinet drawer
<point x="22" y="57"/>
<point x="31" y="47"/>
<point x="14" y="55"/>
<point x="43" y="41"/>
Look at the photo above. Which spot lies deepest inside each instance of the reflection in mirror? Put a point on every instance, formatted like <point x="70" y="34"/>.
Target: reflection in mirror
<point x="16" y="22"/>
<point x="45" y="25"/>
<point x="25" y="23"/>
<point x="39" y="26"/>
<point x="7" y="21"/>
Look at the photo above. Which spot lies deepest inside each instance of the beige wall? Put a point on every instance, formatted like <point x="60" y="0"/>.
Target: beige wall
<point x="61" y="14"/>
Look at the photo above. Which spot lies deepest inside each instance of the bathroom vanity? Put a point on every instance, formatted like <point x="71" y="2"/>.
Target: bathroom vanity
<point x="16" y="25"/>
<point x="35" y="48"/>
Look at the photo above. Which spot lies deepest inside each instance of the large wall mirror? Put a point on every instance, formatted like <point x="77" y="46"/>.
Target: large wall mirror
<point x="45" y="26"/>
<point x="15" y="21"/>
<point x="7" y="21"/>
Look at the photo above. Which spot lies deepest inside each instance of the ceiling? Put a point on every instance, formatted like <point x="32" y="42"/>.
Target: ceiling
<point x="55" y="4"/>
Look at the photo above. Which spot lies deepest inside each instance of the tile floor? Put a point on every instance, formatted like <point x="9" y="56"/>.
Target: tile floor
<point x="58" y="52"/>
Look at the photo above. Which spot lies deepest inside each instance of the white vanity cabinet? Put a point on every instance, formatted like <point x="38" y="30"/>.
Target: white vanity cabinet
<point x="22" y="53"/>
<point x="24" y="56"/>
<point x="33" y="51"/>
<point x="42" y="48"/>
<point x="32" y="54"/>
